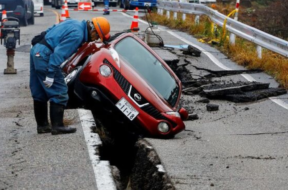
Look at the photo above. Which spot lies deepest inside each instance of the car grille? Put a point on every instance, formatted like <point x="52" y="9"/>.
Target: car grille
<point x="125" y="85"/>
<point x="119" y="78"/>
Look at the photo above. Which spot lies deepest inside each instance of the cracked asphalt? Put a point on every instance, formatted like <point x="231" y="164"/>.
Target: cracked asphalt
<point x="240" y="146"/>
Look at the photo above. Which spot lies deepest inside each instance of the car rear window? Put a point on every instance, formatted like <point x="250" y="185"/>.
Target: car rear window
<point x="149" y="67"/>
<point x="10" y="5"/>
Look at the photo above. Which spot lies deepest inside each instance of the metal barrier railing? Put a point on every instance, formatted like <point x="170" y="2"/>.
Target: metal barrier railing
<point x="249" y="33"/>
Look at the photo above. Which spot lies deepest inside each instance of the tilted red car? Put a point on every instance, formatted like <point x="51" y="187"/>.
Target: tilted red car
<point x="126" y="81"/>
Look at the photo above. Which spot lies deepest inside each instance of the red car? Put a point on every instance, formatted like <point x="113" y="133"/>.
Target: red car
<point x="126" y="81"/>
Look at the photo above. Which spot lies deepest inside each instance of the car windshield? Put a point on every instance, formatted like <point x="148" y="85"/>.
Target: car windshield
<point x="149" y="67"/>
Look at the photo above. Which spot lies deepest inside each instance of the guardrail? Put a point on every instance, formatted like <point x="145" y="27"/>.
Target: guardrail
<point x="254" y="35"/>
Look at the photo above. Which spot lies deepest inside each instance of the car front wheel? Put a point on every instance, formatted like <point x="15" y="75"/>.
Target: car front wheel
<point x="24" y="20"/>
<point x="32" y="19"/>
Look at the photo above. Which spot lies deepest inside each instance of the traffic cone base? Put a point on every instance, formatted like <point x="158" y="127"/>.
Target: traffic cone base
<point x="63" y="14"/>
<point x="66" y="9"/>
<point x="134" y="25"/>
<point x="3" y="19"/>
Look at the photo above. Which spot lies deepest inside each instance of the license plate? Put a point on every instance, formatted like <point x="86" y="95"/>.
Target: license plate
<point x="147" y="4"/>
<point x="127" y="109"/>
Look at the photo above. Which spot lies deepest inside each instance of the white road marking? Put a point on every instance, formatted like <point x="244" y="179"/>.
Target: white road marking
<point x="102" y="170"/>
<point x="249" y="78"/>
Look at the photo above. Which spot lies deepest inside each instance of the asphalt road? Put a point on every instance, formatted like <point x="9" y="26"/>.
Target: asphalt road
<point x="240" y="146"/>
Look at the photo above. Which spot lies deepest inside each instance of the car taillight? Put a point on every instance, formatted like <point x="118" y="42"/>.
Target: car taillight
<point x="16" y="13"/>
<point x="41" y="9"/>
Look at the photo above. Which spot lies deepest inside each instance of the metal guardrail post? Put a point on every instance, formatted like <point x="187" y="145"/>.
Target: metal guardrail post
<point x="197" y="19"/>
<point x="168" y="14"/>
<point x="183" y="16"/>
<point x="259" y="52"/>
<point x="175" y="15"/>
<point x="232" y="36"/>
<point x="244" y="31"/>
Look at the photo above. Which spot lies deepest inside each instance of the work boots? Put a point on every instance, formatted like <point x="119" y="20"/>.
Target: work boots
<point x="40" y="111"/>
<point x="56" y="116"/>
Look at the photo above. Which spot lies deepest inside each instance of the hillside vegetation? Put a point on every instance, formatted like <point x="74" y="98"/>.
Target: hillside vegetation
<point x="267" y="15"/>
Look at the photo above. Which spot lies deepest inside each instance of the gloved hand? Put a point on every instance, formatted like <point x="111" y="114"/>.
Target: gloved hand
<point x="48" y="82"/>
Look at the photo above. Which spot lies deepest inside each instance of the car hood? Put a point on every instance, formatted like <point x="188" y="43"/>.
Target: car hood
<point x="148" y="74"/>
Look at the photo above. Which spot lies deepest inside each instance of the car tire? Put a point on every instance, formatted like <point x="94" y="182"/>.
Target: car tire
<point x="41" y="14"/>
<point x="32" y="19"/>
<point x="25" y="20"/>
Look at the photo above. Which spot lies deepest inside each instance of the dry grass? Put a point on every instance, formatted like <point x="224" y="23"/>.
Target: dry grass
<point x="243" y="53"/>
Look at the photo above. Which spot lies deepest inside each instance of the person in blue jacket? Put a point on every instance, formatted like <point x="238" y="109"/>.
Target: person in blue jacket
<point x="46" y="79"/>
<point x="106" y="6"/>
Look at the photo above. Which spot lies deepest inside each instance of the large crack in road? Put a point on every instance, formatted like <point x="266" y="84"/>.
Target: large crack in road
<point x="135" y="164"/>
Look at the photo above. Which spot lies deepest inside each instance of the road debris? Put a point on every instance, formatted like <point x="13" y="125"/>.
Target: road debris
<point x="210" y="84"/>
<point x="186" y="49"/>
<point x="212" y="107"/>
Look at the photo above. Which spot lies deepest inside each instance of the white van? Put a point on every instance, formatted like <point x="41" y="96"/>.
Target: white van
<point x="38" y="7"/>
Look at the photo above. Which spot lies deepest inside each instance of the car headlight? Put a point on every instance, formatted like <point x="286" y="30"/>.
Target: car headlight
<point x="163" y="127"/>
<point x="176" y="114"/>
<point x="105" y="71"/>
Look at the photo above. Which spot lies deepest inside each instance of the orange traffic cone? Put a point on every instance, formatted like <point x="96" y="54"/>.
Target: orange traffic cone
<point x="63" y="14"/>
<point x="134" y="25"/>
<point x="66" y="9"/>
<point x="3" y="19"/>
<point x="4" y="16"/>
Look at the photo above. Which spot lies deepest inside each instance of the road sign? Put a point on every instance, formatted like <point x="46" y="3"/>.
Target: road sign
<point x="84" y="6"/>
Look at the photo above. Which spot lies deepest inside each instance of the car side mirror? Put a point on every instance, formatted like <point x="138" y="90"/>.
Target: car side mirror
<point x="183" y="114"/>
<point x="106" y="38"/>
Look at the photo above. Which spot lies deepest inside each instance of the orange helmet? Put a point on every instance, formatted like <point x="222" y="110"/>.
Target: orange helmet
<point x="102" y="26"/>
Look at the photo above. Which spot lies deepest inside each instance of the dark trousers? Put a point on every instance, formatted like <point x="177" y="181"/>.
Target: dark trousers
<point x="57" y="93"/>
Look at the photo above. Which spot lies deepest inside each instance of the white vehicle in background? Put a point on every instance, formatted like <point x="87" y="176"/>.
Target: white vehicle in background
<point x="202" y="1"/>
<point x="38" y="7"/>
<point x="71" y="3"/>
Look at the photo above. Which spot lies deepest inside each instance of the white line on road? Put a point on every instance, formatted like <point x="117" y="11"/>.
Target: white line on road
<point x="102" y="170"/>
<point x="279" y="102"/>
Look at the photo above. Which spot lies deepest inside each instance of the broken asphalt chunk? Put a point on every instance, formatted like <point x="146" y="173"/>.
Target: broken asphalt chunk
<point x="167" y="56"/>
<point x="193" y="116"/>
<point x="212" y="107"/>
<point x="193" y="90"/>
<point x="186" y="49"/>
<point x="255" y="95"/>
<point x="204" y="100"/>
<point x="218" y="90"/>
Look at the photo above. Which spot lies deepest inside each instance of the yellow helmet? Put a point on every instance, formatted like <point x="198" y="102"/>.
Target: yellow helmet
<point x="102" y="26"/>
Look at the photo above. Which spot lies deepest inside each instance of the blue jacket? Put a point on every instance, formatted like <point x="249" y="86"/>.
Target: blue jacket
<point x="64" y="38"/>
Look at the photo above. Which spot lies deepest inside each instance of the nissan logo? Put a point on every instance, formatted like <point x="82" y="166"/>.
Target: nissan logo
<point x="137" y="97"/>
